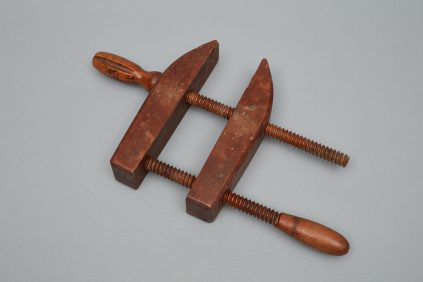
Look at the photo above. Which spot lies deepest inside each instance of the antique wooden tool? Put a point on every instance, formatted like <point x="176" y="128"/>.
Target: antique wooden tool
<point x="159" y="116"/>
<point x="127" y="71"/>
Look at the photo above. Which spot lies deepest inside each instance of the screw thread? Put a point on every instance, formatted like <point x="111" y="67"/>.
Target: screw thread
<point x="252" y="208"/>
<point x="279" y="133"/>
<point x="307" y="145"/>
<point x="170" y="172"/>
<point x="186" y="179"/>
<point x="209" y="105"/>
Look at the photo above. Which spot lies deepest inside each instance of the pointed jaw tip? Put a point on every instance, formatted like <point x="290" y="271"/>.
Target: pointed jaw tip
<point x="264" y="63"/>
<point x="214" y="43"/>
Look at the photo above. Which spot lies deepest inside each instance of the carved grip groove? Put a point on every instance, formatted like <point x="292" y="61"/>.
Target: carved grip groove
<point x="313" y="234"/>
<point x="124" y="70"/>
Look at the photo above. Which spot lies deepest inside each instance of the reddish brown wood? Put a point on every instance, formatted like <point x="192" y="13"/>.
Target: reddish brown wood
<point x="127" y="71"/>
<point x="312" y="234"/>
<point x="161" y="113"/>
<point x="235" y="147"/>
<point x="162" y="110"/>
<point x="124" y="70"/>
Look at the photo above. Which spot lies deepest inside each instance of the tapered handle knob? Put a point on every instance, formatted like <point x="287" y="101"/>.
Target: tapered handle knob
<point x="313" y="234"/>
<point x="124" y="70"/>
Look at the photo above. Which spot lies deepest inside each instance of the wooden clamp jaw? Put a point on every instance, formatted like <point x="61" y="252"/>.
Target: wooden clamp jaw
<point x="161" y="112"/>
<point x="234" y="149"/>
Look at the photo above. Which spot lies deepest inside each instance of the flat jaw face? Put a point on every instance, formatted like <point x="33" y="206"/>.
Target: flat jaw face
<point x="234" y="148"/>
<point x="161" y="113"/>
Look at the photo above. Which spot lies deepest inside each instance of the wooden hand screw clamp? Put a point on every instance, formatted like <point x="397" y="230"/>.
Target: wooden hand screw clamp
<point x="161" y="113"/>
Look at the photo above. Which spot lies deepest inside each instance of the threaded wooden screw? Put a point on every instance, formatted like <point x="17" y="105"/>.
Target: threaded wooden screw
<point x="272" y="130"/>
<point x="311" y="233"/>
<point x="126" y="71"/>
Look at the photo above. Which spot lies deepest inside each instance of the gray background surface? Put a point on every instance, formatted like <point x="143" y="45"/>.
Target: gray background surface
<point x="347" y="73"/>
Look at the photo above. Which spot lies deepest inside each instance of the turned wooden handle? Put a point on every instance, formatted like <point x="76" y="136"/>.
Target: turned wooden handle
<point x="313" y="234"/>
<point x="124" y="70"/>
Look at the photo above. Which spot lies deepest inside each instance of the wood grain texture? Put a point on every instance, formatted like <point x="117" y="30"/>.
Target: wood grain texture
<point x="162" y="110"/>
<point x="313" y="234"/>
<point x="235" y="147"/>
<point x="124" y="70"/>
